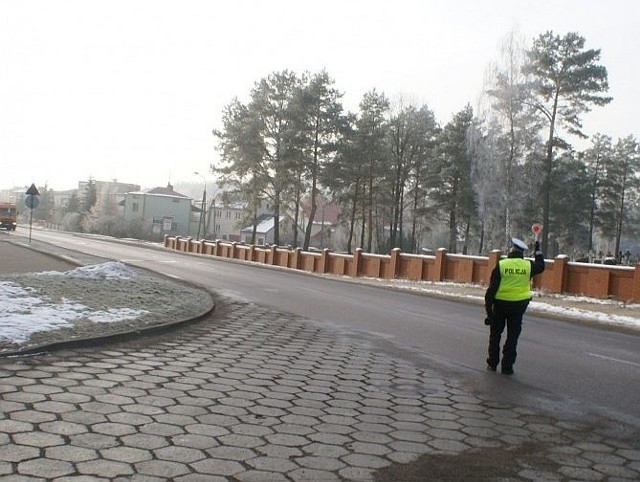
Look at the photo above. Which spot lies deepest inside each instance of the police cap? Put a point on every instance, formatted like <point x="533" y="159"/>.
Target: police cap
<point x="519" y="244"/>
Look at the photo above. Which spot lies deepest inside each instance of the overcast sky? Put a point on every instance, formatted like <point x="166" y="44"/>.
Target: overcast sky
<point x="131" y="89"/>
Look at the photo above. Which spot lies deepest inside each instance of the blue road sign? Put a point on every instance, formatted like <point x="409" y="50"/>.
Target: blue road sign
<point x="32" y="201"/>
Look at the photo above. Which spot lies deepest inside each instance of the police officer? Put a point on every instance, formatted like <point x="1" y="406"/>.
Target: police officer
<point x="506" y="301"/>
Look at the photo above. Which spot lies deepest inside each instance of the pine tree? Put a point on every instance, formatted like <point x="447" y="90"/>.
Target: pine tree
<point x="567" y="81"/>
<point x="318" y="124"/>
<point x="452" y="189"/>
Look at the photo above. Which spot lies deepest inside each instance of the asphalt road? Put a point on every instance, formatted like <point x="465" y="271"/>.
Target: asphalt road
<point x="563" y="366"/>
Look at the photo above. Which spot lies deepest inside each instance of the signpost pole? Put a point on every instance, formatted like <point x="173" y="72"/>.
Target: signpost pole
<point x="30" y="223"/>
<point x="32" y="202"/>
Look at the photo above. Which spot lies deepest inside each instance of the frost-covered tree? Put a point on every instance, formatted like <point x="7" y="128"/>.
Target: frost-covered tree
<point x="621" y="190"/>
<point x="596" y="159"/>
<point x="90" y="196"/>
<point x="105" y="218"/>
<point x="510" y="139"/>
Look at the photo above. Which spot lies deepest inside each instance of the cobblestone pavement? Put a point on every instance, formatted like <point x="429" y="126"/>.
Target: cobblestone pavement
<point x="250" y="394"/>
<point x="255" y="395"/>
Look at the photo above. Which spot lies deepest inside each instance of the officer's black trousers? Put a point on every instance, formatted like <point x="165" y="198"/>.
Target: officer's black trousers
<point x="509" y="314"/>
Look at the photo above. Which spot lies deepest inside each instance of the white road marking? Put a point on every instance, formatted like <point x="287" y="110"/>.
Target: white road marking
<point x="614" y="359"/>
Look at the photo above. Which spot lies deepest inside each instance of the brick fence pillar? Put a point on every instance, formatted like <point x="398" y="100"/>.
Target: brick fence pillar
<point x="324" y="261"/>
<point x="355" y="267"/>
<point x="560" y="265"/>
<point x="492" y="262"/>
<point x="395" y="262"/>
<point x="636" y="284"/>
<point x="441" y="264"/>
<point x="296" y="258"/>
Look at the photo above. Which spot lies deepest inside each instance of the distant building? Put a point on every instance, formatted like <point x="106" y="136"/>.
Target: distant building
<point x="324" y="225"/>
<point x="12" y="195"/>
<point x="226" y="220"/>
<point x="264" y="231"/>
<point x="164" y="210"/>
<point x="61" y="198"/>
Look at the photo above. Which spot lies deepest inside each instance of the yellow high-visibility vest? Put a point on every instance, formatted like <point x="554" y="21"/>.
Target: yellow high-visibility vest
<point x="515" y="280"/>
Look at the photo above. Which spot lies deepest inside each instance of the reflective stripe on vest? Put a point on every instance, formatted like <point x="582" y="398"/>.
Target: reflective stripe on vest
<point x="515" y="280"/>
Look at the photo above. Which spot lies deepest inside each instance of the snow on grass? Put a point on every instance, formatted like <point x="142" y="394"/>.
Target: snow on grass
<point x="23" y="311"/>
<point x="108" y="270"/>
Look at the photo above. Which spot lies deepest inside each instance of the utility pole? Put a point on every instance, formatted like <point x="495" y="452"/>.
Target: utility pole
<point x="203" y="212"/>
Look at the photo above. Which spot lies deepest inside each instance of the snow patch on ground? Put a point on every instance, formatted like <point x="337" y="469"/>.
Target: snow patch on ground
<point x="108" y="270"/>
<point x="23" y="311"/>
<point x="474" y="293"/>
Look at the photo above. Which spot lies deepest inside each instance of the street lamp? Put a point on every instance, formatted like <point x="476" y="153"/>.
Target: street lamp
<point x="203" y="212"/>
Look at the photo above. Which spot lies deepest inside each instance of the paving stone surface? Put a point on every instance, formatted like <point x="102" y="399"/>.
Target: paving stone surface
<point x="255" y="395"/>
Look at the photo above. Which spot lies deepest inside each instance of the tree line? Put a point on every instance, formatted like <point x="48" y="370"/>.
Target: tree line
<point x="400" y="177"/>
<point x="403" y="179"/>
